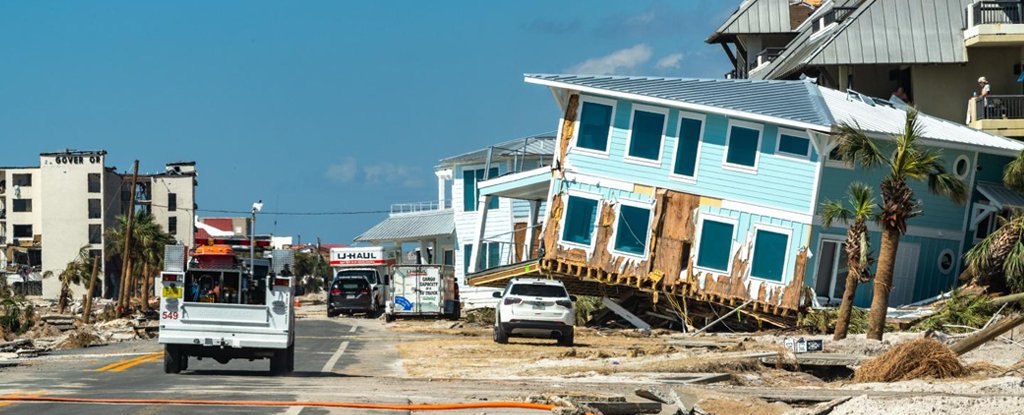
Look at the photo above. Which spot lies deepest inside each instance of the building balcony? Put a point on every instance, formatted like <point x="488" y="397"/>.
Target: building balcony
<point x="994" y="23"/>
<point x="997" y="114"/>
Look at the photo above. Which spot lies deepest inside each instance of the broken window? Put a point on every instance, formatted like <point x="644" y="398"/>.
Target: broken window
<point x="95" y="234"/>
<point x="742" y="145"/>
<point x="595" y="126"/>
<point x="94" y="182"/>
<point x="22" y="205"/>
<point x="686" y="146"/>
<point x="172" y="225"/>
<point x="23" y="180"/>
<point x="715" y="245"/>
<point x="95" y="209"/>
<point x="645" y="135"/>
<point x="580" y="214"/>
<point x="631" y="230"/>
<point x="769" y="255"/>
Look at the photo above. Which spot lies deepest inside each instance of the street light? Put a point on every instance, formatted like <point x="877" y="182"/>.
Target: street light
<point x="256" y="208"/>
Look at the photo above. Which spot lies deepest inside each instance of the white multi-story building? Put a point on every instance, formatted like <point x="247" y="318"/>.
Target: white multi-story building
<point x="49" y="212"/>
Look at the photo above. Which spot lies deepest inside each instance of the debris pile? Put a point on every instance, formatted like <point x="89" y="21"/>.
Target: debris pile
<point x="923" y="358"/>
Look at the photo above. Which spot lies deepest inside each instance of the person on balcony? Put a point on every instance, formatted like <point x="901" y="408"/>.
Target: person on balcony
<point x="981" y="98"/>
<point x="899" y="98"/>
<point x="984" y="88"/>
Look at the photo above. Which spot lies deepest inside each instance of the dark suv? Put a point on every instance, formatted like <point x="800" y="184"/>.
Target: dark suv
<point x="349" y="295"/>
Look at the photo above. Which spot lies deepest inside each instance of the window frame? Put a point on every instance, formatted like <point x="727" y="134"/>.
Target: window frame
<point x="835" y="163"/>
<point x="579" y="119"/>
<point x="700" y="145"/>
<point x="172" y="202"/>
<point x="967" y="170"/>
<point x="698" y="239"/>
<point x="476" y="186"/>
<point x="99" y="234"/>
<point x="661" y="144"/>
<point x="14" y="231"/>
<point x="26" y="205"/>
<point x="757" y="148"/>
<point x="597" y="218"/>
<point x="649" y="207"/>
<point x="15" y="176"/>
<point x="753" y="249"/>
<point x="89" y="182"/>
<point x="99" y="208"/>
<point x="173" y="231"/>
<point x="793" y="133"/>
<point x="952" y="263"/>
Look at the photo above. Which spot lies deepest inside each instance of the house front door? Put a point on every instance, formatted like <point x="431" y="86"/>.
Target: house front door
<point x="904" y="276"/>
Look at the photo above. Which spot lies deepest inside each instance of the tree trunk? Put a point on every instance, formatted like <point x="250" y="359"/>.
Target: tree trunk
<point x="122" y="298"/>
<point x="62" y="302"/>
<point x="147" y="280"/>
<point x="846" y="307"/>
<point x="87" y="304"/>
<point x="883" y="282"/>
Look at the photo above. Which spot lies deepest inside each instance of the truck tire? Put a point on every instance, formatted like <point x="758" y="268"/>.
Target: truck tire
<point x="389" y="317"/>
<point x="279" y="362"/>
<point x="291" y="358"/>
<point x="456" y="311"/>
<point x="172" y="359"/>
<point x="500" y="335"/>
<point x="567" y="338"/>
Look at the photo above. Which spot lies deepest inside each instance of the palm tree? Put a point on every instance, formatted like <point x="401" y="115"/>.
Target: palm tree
<point x="75" y="273"/>
<point x="999" y="258"/>
<point x="909" y="161"/>
<point x="145" y="256"/>
<point x="858" y="250"/>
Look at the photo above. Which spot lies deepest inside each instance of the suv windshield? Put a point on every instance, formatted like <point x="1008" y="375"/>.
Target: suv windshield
<point x="538" y="290"/>
<point x="369" y="275"/>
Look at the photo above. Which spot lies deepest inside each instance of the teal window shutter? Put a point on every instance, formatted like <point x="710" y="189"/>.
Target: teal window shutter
<point x="769" y="255"/>
<point x="743" y="146"/>
<point x="595" y="125"/>
<point x="469" y="190"/>
<point x="493" y="254"/>
<point x="686" y="147"/>
<point x="797" y="146"/>
<point x="715" y="245"/>
<point x="467" y="255"/>
<point x="631" y="230"/>
<point x="645" y="141"/>
<point x="580" y="214"/>
<point x="494" y="200"/>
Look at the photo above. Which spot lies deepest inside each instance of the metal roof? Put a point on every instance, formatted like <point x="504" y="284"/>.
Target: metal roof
<point x="1000" y="196"/>
<point x="878" y="32"/>
<point x="786" y="100"/>
<point x="411" y="227"/>
<point x="535" y="145"/>
<point x="756" y="16"/>
<point x="879" y="117"/>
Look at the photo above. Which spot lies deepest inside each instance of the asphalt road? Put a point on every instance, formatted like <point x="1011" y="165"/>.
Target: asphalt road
<point x="337" y="360"/>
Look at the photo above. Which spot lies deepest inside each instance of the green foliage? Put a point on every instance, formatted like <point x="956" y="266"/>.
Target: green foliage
<point x="585" y="308"/>
<point x="1013" y="173"/>
<point x="969" y="310"/>
<point x="823" y="321"/>
<point x="15" y="315"/>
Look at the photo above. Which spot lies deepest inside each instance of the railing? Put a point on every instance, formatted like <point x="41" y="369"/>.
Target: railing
<point x="995" y="12"/>
<point x="836" y="15"/>
<point x="765" y="57"/>
<point x="400" y="208"/>
<point x="997" y="107"/>
<point x="518" y="154"/>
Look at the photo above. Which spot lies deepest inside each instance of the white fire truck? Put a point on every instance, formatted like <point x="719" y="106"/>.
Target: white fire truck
<point x="216" y="305"/>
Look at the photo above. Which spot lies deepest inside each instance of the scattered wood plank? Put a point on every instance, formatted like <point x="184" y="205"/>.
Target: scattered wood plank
<point x="984" y="336"/>
<point x="624" y="408"/>
<point x="630" y="317"/>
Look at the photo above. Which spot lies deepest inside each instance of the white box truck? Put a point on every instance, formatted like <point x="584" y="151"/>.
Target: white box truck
<point x="216" y="305"/>
<point x="372" y="263"/>
<point x="423" y="290"/>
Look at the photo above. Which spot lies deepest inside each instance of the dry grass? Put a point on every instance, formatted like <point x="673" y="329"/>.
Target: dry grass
<point x="923" y="358"/>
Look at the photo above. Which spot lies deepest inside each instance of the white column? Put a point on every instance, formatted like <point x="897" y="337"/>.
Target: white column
<point x="530" y="226"/>
<point x="481" y="225"/>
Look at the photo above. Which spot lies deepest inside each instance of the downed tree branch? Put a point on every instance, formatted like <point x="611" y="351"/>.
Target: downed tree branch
<point x="984" y="336"/>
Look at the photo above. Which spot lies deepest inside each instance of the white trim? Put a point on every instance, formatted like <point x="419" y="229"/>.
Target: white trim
<point x="918" y="231"/>
<point x="757" y="149"/>
<point x="626" y="157"/>
<point x="785" y="260"/>
<point x="833" y="273"/>
<point x="649" y="207"/>
<point x="700" y="233"/>
<point x="599" y="181"/>
<point x="574" y="144"/>
<point x="700" y="144"/>
<point x="597" y="218"/>
<point x="766" y="211"/>
<point x="818" y="170"/>
<point x="792" y="133"/>
<point x="679" y="104"/>
<point x="967" y="170"/>
<point x="513" y="177"/>
<point x="952" y="263"/>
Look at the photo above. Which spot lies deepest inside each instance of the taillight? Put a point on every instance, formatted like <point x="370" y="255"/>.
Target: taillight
<point x="335" y="291"/>
<point x="170" y="277"/>
<point x="364" y="291"/>
<point x="564" y="303"/>
<point x="282" y="282"/>
<point x="512" y="300"/>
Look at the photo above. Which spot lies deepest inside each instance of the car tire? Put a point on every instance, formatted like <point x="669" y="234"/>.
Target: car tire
<point x="567" y="338"/>
<point x="184" y="361"/>
<point x="279" y="362"/>
<point x="500" y="335"/>
<point x="172" y="359"/>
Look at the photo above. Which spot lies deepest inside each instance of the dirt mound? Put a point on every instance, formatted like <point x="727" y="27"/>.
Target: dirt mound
<point x="78" y="339"/>
<point x="921" y="358"/>
<point x="480" y="316"/>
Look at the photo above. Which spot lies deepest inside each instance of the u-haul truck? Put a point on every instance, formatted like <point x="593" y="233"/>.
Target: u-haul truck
<point x="371" y="262"/>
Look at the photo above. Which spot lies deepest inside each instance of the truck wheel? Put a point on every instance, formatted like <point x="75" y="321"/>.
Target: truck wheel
<point x="389" y="317"/>
<point x="456" y="312"/>
<point x="567" y="338"/>
<point x="279" y="362"/>
<point x="172" y="359"/>
<point x="183" y="358"/>
<point x="291" y="358"/>
<point x="500" y="335"/>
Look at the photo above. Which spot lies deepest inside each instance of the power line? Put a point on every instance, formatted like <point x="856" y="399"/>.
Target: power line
<point x="249" y="212"/>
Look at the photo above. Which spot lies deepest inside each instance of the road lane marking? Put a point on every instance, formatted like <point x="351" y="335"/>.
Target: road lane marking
<point x="153" y="358"/>
<point x="353" y="330"/>
<point x="129" y="362"/>
<point x="329" y="366"/>
<point x="295" y="410"/>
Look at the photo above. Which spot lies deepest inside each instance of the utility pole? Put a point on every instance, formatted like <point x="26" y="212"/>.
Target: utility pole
<point x="87" y="311"/>
<point x="318" y="258"/>
<point x="122" y="301"/>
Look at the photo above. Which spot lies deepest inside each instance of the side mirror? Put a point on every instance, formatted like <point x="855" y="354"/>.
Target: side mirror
<point x="572" y="298"/>
<point x="496" y="294"/>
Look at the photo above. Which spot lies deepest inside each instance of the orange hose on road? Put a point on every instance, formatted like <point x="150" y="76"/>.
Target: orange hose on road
<point x="391" y="407"/>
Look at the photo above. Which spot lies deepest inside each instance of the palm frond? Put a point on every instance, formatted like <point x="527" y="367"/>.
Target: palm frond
<point x="833" y="211"/>
<point x="855" y="147"/>
<point x="1013" y="173"/>
<point x="948" y="185"/>
<point x="862" y="200"/>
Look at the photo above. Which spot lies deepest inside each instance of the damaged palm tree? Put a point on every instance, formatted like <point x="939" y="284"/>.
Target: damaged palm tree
<point x="858" y="250"/>
<point x="998" y="260"/>
<point x="75" y="273"/>
<point x="908" y="161"/>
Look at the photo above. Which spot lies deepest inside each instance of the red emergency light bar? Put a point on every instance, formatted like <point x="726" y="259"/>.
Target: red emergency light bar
<point x="261" y="242"/>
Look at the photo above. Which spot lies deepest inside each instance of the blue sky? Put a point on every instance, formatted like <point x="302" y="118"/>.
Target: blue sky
<point x="317" y="106"/>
